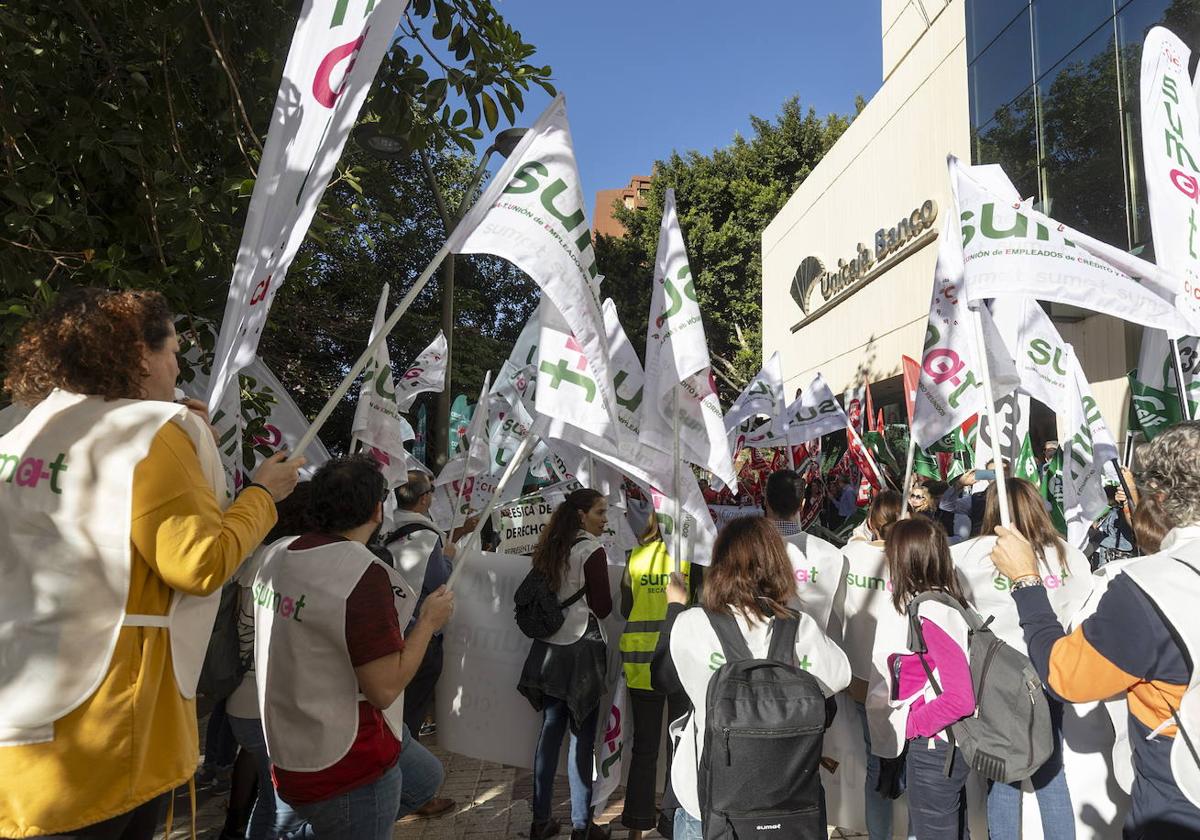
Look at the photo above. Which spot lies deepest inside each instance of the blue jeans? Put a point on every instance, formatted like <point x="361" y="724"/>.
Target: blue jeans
<point x="1050" y="785"/>
<point x="580" y="758"/>
<point x="687" y="827"/>
<point x="937" y="805"/>
<point x="271" y="817"/>
<point x="369" y="812"/>
<point x="878" y="808"/>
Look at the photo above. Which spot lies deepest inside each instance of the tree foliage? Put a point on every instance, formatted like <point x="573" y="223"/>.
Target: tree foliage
<point x="725" y="200"/>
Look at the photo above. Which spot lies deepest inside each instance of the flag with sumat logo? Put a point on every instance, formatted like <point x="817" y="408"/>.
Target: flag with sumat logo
<point x="1011" y="250"/>
<point x="814" y="413"/>
<point x="378" y="424"/>
<point x="509" y="422"/>
<point x="532" y="214"/>
<point x="335" y="52"/>
<point x="1171" y="152"/>
<point x="1026" y="466"/>
<point x="1087" y="448"/>
<point x="761" y="398"/>
<point x="426" y="373"/>
<point x="950" y="384"/>
<point x="680" y="391"/>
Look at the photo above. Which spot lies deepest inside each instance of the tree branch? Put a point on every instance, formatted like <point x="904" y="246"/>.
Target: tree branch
<point x="233" y="87"/>
<point x="171" y="106"/>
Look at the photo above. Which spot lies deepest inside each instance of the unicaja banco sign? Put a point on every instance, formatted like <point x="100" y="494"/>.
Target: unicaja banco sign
<point x="891" y="243"/>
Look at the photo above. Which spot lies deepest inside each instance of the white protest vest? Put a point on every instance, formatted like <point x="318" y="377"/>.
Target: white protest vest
<point x="575" y="617"/>
<point x="66" y="499"/>
<point x="307" y="690"/>
<point x="990" y="592"/>
<point x="867" y="606"/>
<point x="1171" y="579"/>
<point x="887" y="718"/>
<point x="411" y="553"/>
<point x="817" y="567"/>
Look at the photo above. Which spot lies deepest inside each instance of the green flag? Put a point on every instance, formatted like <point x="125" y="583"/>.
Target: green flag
<point x="1152" y="410"/>
<point x="460" y="418"/>
<point x="926" y="465"/>
<point x="1052" y="491"/>
<point x="1026" y="466"/>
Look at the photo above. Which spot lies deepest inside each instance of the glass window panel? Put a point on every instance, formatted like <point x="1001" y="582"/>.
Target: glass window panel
<point x="1003" y="70"/>
<point x="1134" y="20"/>
<point x="1081" y="141"/>
<point x="1011" y="141"/>
<point x="986" y="19"/>
<point x="1059" y="26"/>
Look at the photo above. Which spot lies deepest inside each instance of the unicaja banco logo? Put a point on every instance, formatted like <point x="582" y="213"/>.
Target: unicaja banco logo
<point x="30" y="471"/>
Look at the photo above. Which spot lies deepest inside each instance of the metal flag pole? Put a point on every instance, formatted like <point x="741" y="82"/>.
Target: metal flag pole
<point x="993" y="424"/>
<point x="522" y="454"/>
<point x="1185" y="410"/>
<point x="357" y="368"/>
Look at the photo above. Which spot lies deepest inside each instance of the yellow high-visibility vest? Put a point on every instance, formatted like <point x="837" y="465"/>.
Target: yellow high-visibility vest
<point x="649" y="571"/>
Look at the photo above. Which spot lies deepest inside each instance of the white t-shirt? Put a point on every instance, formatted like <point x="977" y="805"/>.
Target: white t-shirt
<point x="696" y="653"/>
<point x="990" y="592"/>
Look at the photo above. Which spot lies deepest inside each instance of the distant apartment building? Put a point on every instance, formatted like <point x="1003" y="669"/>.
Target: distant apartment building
<point x="632" y="197"/>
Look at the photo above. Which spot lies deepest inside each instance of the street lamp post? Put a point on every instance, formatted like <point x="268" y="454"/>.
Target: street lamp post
<point x="386" y="146"/>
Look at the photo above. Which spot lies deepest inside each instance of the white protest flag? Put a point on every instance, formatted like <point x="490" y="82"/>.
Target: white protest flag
<point x="378" y="425"/>
<point x="532" y="215"/>
<point x="426" y="373"/>
<point x="762" y="397"/>
<point x="335" y="52"/>
<point x="285" y="423"/>
<point x="571" y="434"/>
<point x="1170" y="145"/>
<point x="629" y="381"/>
<point x="1044" y="361"/>
<point x="814" y="413"/>
<point x="1010" y="249"/>
<point x="682" y="395"/>
<point x="476" y="458"/>
<point x="1088" y="447"/>
<point x="950" y="385"/>
<point x="509" y="421"/>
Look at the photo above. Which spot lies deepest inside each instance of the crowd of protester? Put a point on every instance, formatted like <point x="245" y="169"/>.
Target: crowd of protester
<point x="336" y="631"/>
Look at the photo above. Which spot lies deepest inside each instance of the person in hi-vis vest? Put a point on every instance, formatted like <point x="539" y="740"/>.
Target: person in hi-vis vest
<point x="644" y="605"/>
<point x="111" y="530"/>
<point x="1142" y="641"/>
<point x="332" y="664"/>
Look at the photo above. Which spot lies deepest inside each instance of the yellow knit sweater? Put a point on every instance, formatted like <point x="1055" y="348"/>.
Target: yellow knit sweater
<point x="136" y="737"/>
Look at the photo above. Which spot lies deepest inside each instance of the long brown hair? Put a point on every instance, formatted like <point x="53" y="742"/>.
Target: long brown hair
<point x="918" y="560"/>
<point x="750" y="570"/>
<point x="884" y="513"/>
<point x="1150" y="525"/>
<point x="1029" y="516"/>
<point x="553" y="551"/>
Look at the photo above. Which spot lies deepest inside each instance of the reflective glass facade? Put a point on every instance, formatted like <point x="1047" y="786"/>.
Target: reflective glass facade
<point x="1054" y="99"/>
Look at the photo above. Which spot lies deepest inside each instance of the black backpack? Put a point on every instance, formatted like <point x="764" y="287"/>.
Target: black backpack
<point x="224" y="666"/>
<point x="758" y="775"/>
<point x="1009" y="737"/>
<point x="537" y="609"/>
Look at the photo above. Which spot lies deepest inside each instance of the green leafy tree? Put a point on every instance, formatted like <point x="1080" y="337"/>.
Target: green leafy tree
<point x="725" y="200"/>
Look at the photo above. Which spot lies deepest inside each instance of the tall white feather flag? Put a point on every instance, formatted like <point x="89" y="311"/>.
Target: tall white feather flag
<point x="762" y="397"/>
<point x="680" y="389"/>
<point x="426" y="373"/>
<point x="378" y="425"/>
<point x="335" y="53"/>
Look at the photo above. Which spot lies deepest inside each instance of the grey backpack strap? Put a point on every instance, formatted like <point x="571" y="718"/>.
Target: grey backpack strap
<point x="733" y="644"/>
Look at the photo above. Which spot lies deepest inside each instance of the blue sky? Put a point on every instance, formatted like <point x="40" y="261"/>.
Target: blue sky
<point x="647" y="77"/>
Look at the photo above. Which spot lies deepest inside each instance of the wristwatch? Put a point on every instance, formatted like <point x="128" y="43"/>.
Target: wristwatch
<point x="1026" y="581"/>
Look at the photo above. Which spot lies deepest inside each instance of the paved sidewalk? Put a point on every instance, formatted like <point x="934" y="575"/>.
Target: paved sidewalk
<point x="493" y="801"/>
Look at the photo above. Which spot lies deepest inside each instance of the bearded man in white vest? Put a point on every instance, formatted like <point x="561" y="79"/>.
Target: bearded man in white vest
<point x="333" y="664"/>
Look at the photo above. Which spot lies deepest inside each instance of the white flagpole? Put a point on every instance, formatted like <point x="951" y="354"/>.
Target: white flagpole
<point x="908" y="472"/>
<point x="372" y="346"/>
<point x="675" y="485"/>
<point x="523" y="452"/>
<point x="993" y="424"/>
<point x="791" y="454"/>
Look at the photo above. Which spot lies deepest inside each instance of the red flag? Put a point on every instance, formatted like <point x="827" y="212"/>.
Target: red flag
<point x="879" y="421"/>
<point x="864" y="492"/>
<point x="870" y="418"/>
<point x="857" y="450"/>
<point x="912" y="375"/>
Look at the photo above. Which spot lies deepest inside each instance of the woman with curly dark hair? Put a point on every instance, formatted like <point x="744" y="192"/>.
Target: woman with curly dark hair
<point x="109" y="519"/>
<point x="564" y="673"/>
